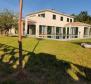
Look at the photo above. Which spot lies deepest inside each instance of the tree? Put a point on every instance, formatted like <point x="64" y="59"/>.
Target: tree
<point x="83" y="16"/>
<point x="7" y="20"/>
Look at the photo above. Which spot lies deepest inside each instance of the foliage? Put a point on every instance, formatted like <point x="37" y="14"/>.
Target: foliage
<point x="8" y="20"/>
<point x="83" y="16"/>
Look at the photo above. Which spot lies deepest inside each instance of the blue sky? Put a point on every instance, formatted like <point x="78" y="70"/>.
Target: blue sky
<point x="66" y="6"/>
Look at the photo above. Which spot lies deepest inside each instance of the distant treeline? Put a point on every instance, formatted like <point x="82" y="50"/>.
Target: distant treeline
<point x="83" y="16"/>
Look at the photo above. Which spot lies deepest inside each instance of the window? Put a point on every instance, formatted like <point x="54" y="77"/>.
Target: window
<point x="49" y="31"/>
<point x="41" y="30"/>
<point x="74" y="32"/>
<point x="54" y="17"/>
<point x="58" y="32"/>
<point x="70" y="20"/>
<point x="67" y="19"/>
<point x="42" y="15"/>
<point x="86" y="30"/>
<point x="61" y="18"/>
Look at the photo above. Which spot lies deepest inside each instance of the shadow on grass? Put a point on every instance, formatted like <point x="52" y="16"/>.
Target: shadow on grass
<point x="42" y="68"/>
<point x="38" y="39"/>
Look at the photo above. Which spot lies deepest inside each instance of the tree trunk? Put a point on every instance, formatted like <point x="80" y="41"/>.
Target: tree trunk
<point x="7" y="32"/>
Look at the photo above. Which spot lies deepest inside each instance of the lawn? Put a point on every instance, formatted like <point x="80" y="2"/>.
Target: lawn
<point x="45" y="61"/>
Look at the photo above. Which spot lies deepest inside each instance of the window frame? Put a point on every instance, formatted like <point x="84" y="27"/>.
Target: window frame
<point x="71" y="20"/>
<point x="61" y="18"/>
<point x="41" y="15"/>
<point x="68" y="19"/>
<point x="54" y="17"/>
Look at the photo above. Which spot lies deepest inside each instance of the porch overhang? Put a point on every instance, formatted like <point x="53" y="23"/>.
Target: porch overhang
<point x="76" y="24"/>
<point x="30" y="22"/>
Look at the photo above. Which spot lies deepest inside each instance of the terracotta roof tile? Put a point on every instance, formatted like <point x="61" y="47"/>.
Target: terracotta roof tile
<point x="77" y="24"/>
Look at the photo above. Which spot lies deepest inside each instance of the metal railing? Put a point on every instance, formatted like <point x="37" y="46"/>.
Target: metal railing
<point x="59" y="36"/>
<point x="87" y="36"/>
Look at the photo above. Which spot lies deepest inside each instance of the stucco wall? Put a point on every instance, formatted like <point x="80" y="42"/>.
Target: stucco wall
<point x="48" y="20"/>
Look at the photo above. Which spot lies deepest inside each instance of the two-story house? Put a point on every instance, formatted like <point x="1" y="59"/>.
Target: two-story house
<point x="55" y="25"/>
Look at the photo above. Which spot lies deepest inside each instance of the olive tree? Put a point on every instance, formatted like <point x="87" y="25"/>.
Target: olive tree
<point x="7" y="20"/>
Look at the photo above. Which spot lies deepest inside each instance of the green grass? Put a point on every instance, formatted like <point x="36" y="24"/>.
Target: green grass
<point x="49" y="59"/>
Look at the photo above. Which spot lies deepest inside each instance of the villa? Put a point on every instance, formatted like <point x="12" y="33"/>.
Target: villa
<point x="55" y="25"/>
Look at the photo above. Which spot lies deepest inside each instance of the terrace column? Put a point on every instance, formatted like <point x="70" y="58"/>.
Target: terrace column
<point x="42" y="31"/>
<point x="73" y="30"/>
<point x="45" y="28"/>
<point x="37" y="30"/>
<point x="54" y="32"/>
<point x="26" y="26"/>
<point x="88" y="31"/>
<point x="61" y="32"/>
<point x="69" y="32"/>
<point x="42" y="27"/>
<point x="66" y="33"/>
<point x="81" y="32"/>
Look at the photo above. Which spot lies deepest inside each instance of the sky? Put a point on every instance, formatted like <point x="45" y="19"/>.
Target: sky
<point x="64" y="6"/>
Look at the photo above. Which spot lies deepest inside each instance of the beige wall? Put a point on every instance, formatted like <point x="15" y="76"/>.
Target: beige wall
<point x="48" y="19"/>
<point x="81" y="31"/>
<point x="12" y="31"/>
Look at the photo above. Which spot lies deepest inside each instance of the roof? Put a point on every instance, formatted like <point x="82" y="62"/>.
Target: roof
<point x="77" y="24"/>
<point x="51" y="10"/>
